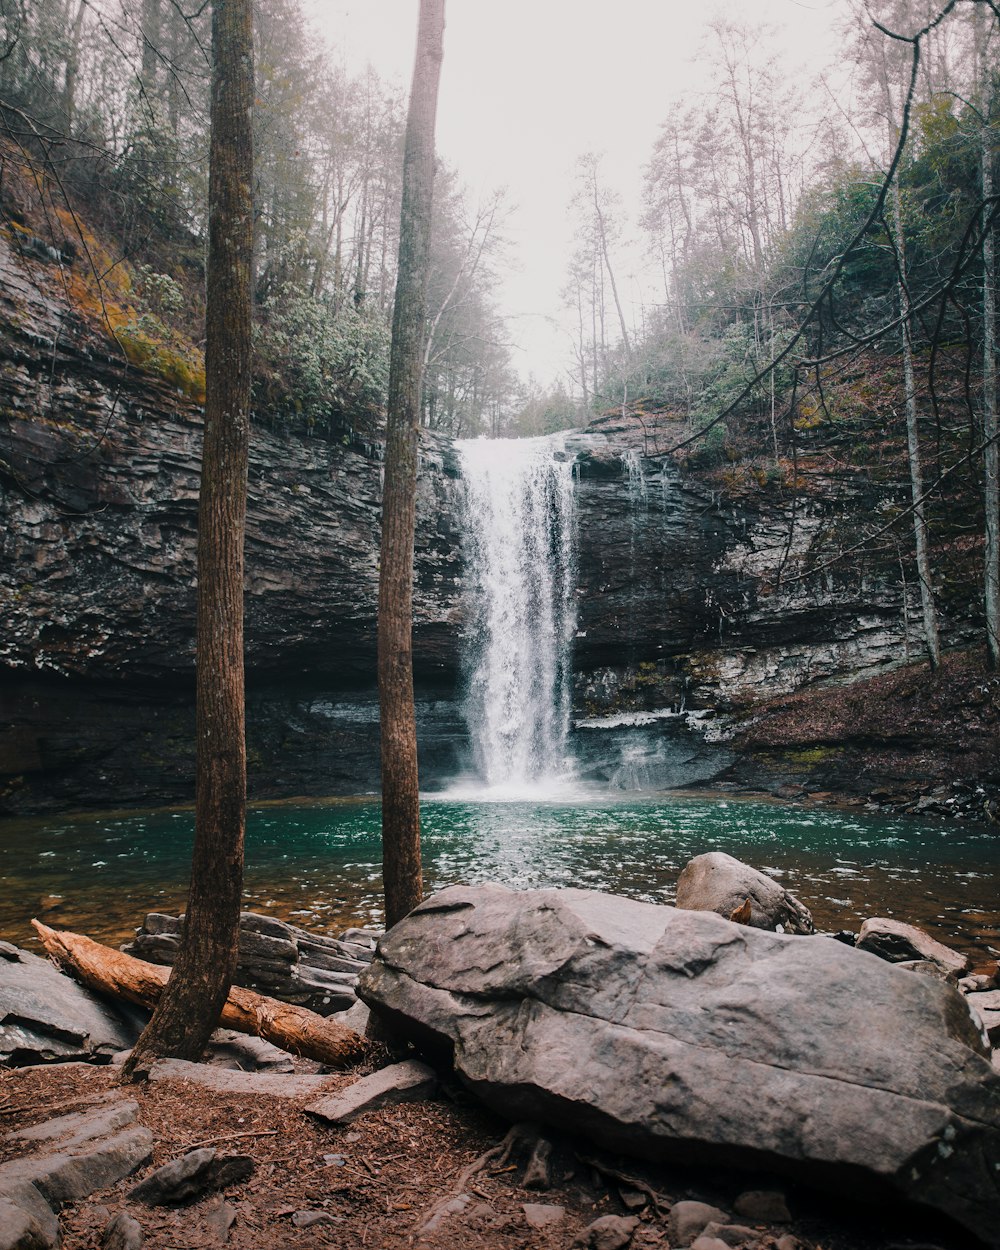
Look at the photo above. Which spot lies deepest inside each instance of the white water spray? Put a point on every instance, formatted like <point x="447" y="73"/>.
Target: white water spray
<point x="518" y="537"/>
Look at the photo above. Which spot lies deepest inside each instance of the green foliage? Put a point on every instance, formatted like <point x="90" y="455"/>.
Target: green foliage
<point x="546" y="413"/>
<point x="316" y="361"/>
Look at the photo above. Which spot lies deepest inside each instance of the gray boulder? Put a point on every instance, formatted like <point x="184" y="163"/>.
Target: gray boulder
<point x="903" y="943"/>
<point x="47" y="1017"/>
<point x="676" y="1035"/>
<point x="717" y="882"/>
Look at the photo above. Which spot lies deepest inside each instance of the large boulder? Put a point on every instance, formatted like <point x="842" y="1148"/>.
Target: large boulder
<point x="718" y="882"/>
<point x="673" y="1034"/>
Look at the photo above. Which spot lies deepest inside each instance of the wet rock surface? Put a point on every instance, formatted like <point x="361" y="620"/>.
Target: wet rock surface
<point x="673" y="1034"/>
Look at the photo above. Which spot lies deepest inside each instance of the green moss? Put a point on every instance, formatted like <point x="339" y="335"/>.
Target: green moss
<point x="811" y="756"/>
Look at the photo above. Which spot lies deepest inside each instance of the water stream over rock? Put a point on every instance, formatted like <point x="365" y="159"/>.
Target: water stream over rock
<point x="519" y="551"/>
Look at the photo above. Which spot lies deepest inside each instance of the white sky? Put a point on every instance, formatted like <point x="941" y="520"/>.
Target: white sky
<point x="529" y="85"/>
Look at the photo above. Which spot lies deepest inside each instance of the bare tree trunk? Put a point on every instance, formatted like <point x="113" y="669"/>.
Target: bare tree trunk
<point x="931" y="635"/>
<point x="991" y="454"/>
<point x="603" y="235"/>
<point x="73" y="68"/>
<point x="151" y="26"/>
<point x="189" y="1009"/>
<point x="400" y="799"/>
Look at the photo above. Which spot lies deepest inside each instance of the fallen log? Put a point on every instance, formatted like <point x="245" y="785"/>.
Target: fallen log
<point x="292" y="1028"/>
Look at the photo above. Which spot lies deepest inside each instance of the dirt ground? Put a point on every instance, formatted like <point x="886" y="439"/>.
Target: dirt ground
<point x="381" y="1178"/>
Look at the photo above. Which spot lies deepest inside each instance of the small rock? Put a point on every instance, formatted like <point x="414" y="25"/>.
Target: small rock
<point x="308" y="1219"/>
<point x="709" y="1243"/>
<point x="768" y="1206"/>
<point x="230" y="1081"/>
<point x="355" y="1018"/>
<point x="788" y="1242"/>
<point x="731" y="1234"/>
<point x="632" y="1199"/>
<point x="67" y="1132"/>
<point x="187" y="1178"/>
<point x="689" y="1220"/>
<point x="542" y="1214"/>
<point x="454" y="1206"/>
<point x="538" y="1172"/>
<point x="219" y="1220"/>
<point x="718" y="882"/>
<point x="897" y="942"/>
<point x="610" y="1232"/>
<point x="975" y="982"/>
<point x="400" y="1082"/>
<point x="124" y="1232"/>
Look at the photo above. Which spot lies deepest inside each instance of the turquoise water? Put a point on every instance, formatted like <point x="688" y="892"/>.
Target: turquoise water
<point x="319" y="863"/>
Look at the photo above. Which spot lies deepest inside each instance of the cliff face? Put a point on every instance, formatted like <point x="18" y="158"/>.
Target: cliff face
<point x="688" y="595"/>
<point x="685" y="597"/>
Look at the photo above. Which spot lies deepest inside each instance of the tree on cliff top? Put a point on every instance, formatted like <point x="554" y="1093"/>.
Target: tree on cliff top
<point x="189" y="1007"/>
<point x="400" y="799"/>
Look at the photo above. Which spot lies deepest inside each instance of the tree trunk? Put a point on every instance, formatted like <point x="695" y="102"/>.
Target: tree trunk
<point x="72" y="68"/>
<point x="991" y="453"/>
<point x="291" y="1028"/>
<point x="189" y="1009"/>
<point x="151" y="26"/>
<point x="929" y="610"/>
<point x="400" y="800"/>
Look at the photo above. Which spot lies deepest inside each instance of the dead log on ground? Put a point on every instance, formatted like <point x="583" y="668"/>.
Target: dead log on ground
<point x="291" y="1028"/>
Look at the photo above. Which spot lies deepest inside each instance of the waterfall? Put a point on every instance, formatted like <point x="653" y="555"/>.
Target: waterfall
<point x="518" y="543"/>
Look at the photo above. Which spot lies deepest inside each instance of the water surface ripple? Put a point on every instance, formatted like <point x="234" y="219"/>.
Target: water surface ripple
<point x="318" y="864"/>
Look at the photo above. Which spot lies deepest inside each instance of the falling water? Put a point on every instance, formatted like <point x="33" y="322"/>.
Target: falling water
<point x="518" y="535"/>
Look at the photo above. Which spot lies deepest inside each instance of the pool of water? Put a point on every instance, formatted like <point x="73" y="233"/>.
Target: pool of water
<point x="318" y="864"/>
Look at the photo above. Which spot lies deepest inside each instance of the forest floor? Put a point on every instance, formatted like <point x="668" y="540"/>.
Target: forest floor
<point x="376" y="1182"/>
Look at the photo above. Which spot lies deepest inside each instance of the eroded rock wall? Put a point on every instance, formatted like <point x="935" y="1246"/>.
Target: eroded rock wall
<point x="687" y="598"/>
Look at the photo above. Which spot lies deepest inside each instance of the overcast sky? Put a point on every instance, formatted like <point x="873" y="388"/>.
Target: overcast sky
<point x="529" y="85"/>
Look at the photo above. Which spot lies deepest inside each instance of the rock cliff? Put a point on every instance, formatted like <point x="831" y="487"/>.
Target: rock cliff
<point x="684" y="599"/>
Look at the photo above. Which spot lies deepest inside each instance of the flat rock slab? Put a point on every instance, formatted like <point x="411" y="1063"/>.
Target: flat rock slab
<point x="230" y="1081"/>
<point x="400" y="1082"/>
<point x="72" y="1157"/>
<point x="47" y="1017"/>
<point x="675" y="1034"/>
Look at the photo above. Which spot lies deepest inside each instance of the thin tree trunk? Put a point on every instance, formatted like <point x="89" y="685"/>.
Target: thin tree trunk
<point x="400" y="800"/>
<point x="929" y="610"/>
<point x="189" y="1008"/>
<point x="73" y="68"/>
<point x="991" y="455"/>
<point x="611" y="273"/>
<point x="151" y="27"/>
